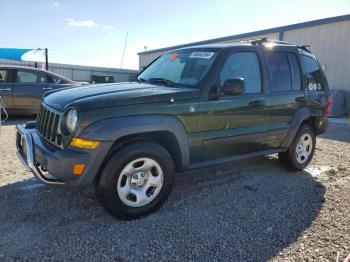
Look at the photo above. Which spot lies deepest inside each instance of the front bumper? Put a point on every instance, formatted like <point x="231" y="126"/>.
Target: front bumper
<point x="53" y="166"/>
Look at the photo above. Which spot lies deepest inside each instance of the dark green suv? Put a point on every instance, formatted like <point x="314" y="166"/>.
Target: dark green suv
<point x="192" y="107"/>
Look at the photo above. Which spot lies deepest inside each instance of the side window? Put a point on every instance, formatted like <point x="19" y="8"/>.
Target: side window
<point x="3" y="76"/>
<point x="243" y="65"/>
<point x="295" y="71"/>
<point x="42" y="78"/>
<point x="52" y="79"/>
<point x="313" y="74"/>
<point x="279" y="71"/>
<point x="26" y="77"/>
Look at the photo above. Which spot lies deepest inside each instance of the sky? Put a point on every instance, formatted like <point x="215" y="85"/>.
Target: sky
<point x="93" y="32"/>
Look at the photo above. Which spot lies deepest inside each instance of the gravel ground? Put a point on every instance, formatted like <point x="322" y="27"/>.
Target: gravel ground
<point x="249" y="210"/>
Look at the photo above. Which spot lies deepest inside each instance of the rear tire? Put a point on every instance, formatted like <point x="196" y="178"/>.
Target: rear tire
<point x="301" y="151"/>
<point x="136" y="180"/>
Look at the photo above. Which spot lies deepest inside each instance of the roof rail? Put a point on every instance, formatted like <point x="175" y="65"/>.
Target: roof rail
<point x="260" y="41"/>
<point x="304" y="48"/>
<point x="263" y="40"/>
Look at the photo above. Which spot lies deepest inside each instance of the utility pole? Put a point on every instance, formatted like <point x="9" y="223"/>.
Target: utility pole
<point x="46" y="60"/>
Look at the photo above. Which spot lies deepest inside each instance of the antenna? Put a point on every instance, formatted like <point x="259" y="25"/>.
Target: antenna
<point x="126" y="39"/>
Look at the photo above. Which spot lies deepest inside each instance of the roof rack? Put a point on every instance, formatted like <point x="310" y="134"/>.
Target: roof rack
<point x="263" y="40"/>
<point x="260" y="41"/>
<point x="304" y="47"/>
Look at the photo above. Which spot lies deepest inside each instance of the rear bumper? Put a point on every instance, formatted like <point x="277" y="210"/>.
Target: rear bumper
<point x="54" y="166"/>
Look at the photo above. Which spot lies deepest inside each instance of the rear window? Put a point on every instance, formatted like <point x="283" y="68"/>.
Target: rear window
<point x="313" y="73"/>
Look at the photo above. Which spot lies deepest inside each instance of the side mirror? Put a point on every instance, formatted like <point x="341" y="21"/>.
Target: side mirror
<point x="233" y="87"/>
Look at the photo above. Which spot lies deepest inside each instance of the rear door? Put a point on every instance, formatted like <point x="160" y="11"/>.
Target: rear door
<point x="286" y="93"/>
<point x="28" y="90"/>
<point x="6" y="87"/>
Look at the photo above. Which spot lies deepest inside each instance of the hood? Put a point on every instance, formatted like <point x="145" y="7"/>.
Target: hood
<point x="109" y="95"/>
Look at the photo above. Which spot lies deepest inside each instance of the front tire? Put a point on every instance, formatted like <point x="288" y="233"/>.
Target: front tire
<point x="136" y="180"/>
<point x="301" y="151"/>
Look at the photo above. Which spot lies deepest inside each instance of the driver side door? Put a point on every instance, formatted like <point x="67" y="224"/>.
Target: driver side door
<point x="232" y="125"/>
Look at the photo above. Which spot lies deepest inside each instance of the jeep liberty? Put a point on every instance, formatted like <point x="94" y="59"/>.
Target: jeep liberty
<point x="192" y="107"/>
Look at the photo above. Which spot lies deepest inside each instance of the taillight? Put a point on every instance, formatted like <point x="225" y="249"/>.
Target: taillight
<point x="327" y="110"/>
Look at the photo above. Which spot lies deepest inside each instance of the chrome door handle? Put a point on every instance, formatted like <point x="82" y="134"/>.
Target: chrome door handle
<point x="47" y="88"/>
<point x="5" y="89"/>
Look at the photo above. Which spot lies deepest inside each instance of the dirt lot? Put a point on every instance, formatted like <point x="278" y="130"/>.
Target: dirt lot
<point x="245" y="211"/>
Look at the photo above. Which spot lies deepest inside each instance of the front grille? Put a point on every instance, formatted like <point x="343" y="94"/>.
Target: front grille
<point x="47" y="124"/>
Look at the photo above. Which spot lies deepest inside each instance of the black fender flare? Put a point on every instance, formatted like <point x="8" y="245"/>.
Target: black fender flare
<point x="113" y="129"/>
<point x="299" y="117"/>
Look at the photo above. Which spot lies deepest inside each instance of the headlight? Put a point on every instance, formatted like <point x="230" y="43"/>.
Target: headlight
<point x="71" y="120"/>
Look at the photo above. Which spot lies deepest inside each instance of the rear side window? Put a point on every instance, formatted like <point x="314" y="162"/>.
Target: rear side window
<point x="42" y="78"/>
<point x="243" y="65"/>
<point x="295" y="71"/>
<point x="3" y="76"/>
<point x="280" y="74"/>
<point x="52" y="79"/>
<point x="313" y="74"/>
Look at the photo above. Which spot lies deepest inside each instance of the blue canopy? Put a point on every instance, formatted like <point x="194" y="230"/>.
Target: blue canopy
<point x="13" y="53"/>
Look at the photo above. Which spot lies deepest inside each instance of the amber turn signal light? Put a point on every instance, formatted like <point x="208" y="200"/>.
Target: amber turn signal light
<point x="84" y="143"/>
<point x="78" y="169"/>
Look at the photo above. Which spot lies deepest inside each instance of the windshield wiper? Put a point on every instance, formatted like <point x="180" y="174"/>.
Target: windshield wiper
<point x="163" y="81"/>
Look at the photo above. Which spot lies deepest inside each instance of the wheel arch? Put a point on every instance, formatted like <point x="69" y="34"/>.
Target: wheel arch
<point x="165" y="130"/>
<point x="302" y="116"/>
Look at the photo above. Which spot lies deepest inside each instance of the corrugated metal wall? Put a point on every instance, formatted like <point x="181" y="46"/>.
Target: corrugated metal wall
<point x="81" y="73"/>
<point x="331" y="44"/>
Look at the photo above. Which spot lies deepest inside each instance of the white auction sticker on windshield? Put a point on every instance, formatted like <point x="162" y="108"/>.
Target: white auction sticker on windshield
<point x="200" y="54"/>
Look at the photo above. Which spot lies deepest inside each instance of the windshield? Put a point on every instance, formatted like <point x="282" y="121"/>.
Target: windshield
<point x="183" y="67"/>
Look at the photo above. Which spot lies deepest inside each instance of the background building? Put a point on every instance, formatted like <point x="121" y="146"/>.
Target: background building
<point x="329" y="40"/>
<point x="83" y="73"/>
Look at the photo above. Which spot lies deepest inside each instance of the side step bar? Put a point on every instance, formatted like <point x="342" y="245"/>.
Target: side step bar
<point x="234" y="158"/>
